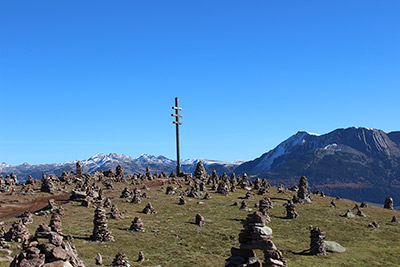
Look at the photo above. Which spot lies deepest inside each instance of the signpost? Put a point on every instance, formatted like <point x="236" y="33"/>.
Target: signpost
<point x="177" y="123"/>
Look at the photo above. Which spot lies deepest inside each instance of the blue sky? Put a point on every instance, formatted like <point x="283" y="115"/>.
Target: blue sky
<point x="84" y="77"/>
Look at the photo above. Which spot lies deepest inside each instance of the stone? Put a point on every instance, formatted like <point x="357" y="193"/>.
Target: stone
<point x="99" y="259"/>
<point x="317" y="244"/>
<point x="394" y="220"/>
<point x="149" y="209"/>
<point x="373" y="225"/>
<point x="141" y="256"/>
<point x="303" y="195"/>
<point x="333" y="204"/>
<point x="244" y="205"/>
<point x="78" y="169"/>
<point x="115" y="214"/>
<point x="199" y="220"/>
<point x="18" y="232"/>
<point x="137" y="225"/>
<point x="100" y="232"/>
<point x="291" y="210"/>
<point x="120" y="260"/>
<point x="388" y="203"/>
<point x="348" y="214"/>
<point x="332" y="246"/>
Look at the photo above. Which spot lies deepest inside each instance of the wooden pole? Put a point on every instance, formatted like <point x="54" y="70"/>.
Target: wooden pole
<point x="177" y="123"/>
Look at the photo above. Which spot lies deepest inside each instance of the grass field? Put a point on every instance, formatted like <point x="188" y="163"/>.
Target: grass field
<point x="172" y="239"/>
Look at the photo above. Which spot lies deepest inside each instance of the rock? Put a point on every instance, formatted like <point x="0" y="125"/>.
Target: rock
<point x="317" y="244"/>
<point x="99" y="259"/>
<point x="388" y="203"/>
<point x="332" y="246"/>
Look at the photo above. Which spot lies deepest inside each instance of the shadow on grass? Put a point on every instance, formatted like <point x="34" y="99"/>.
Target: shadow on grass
<point x="238" y="220"/>
<point x="302" y="253"/>
<point x="279" y="198"/>
<point x="82" y="238"/>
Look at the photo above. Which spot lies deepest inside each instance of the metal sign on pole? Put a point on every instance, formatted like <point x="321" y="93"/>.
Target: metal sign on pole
<point x="177" y="123"/>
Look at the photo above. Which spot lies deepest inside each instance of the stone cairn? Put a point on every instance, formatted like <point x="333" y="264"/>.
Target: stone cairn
<point x="388" y="203"/>
<point x="244" y="205"/>
<point x="255" y="235"/>
<point x="55" y="223"/>
<point x="136" y="196"/>
<point x="291" y="210"/>
<point x="120" y="260"/>
<point x="373" y="225"/>
<point x="317" y="244"/>
<point x="78" y="169"/>
<point x="26" y="217"/>
<point x="264" y="206"/>
<point x="54" y="253"/>
<point x="199" y="220"/>
<point x="303" y="195"/>
<point x="18" y="232"/>
<point x="182" y="200"/>
<point x="333" y="204"/>
<point x="149" y="209"/>
<point x="200" y="172"/>
<point x="394" y="220"/>
<point x="47" y="185"/>
<point x="126" y="193"/>
<point x="364" y="205"/>
<point x="119" y="173"/>
<point x="170" y="190"/>
<point x="100" y="232"/>
<point x="107" y="203"/>
<point x="207" y="196"/>
<point x="137" y="225"/>
<point x="115" y="214"/>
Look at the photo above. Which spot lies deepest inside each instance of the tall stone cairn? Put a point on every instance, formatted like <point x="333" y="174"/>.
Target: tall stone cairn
<point x="55" y="223"/>
<point x="199" y="220"/>
<point x="78" y="169"/>
<point x="119" y="172"/>
<point x="115" y="214"/>
<point x="291" y="210"/>
<point x="255" y="235"/>
<point x="317" y="244"/>
<point x="388" y="203"/>
<point x="120" y="260"/>
<point x="302" y="193"/>
<point x="200" y="172"/>
<point x="100" y="232"/>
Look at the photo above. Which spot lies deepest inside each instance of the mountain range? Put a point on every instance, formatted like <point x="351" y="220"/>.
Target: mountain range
<point x="359" y="163"/>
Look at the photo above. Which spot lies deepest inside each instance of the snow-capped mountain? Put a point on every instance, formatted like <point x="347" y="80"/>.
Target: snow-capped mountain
<point x="112" y="160"/>
<point x="348" y="162"/>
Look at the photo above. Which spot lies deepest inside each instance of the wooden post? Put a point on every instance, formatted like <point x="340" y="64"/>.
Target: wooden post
<point x="177" y="123"/>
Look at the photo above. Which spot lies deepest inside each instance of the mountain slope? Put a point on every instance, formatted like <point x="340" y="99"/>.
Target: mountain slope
<point x="358" y="163"/>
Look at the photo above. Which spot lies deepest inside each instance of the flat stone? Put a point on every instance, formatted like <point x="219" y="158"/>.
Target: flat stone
<point x="258" y="244"/>
<point x="60" y="253"/>
<point x="245" y="253"/>
<point x="274" y="262"/>
<point x="333" y="246"/>
<point x="263" y="230"/>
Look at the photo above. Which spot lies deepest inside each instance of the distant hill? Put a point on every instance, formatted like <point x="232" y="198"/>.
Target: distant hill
<point x="112" y="160"/>
<point x="356" y="163"/>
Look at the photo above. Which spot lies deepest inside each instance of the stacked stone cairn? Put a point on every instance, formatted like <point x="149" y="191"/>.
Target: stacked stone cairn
<point x="264" y="206"/>
<point x="100" y="232"/>
<point x="303" y="195"/>
<point x="55" y="223"/>
<point x="47" y="185"/>
<point x="317" y="244"/>
<point x="281" y="189"/>
<point x="115" y="214"/>
<point x="364" y="205"/>
<point x="99" y="259"/>
<point x="54" y="253"/>
<point x="120" y="260"/>
<point x="26" y="217"/>
<point x="149" y="209"/>
<point x="182" y="200"/>
<point x="207" y="196"/>
<point x="141" y="256"/>
<point x="107" y="203"/>
<point x="333" y="204"/>
<point x="170" y="190"/>
<point x="248" y="195"/>
<point x="78" y="169"/>
<point x="199" y="220"/>
<point x="18" y="232"/>
<point x="223" y="188"/>
<point x="291" y="210"/>
<point x="394" y="220"/>
<point x="200" y="172"/>
<point x="30" y="181"/>
<point x="136" y="196"/>
<point x="244" y="181"/>
<point x="388" y="203"/>
<point x="137" y="225"/>
<point x="373" y="225"/>
<point x="255" y="235"/>
<point x="244" y="205"/>
<point x="119" y="173"/>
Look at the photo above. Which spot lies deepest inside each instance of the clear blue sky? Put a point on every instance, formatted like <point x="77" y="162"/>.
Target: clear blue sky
<point x="84" y="77"/>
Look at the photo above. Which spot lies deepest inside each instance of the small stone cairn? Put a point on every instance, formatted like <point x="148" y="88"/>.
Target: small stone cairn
<point x="18" y="232"/>
<point x="244" y="205"/>
<point x="291" y="210"/>
<point x="115" y="214"/>
<point x="255" y="235"/>
<point x="100" y="232"/>
<point x="52" y="254"/>
<point x="317" y="244"/>
<point x="136" y="196"/>
<point x="137" y="225"/>
<point x="199" y="220"/>
<point x="182" y="200"/>
<point x="373" y="225"/>
<point x="200" y="172"/>
<point x="394" y="220"/>
<point x="78" y="169"/>
<point x="149" y="209"/>
<point x="55" y="223"/>
<point x="26" y="217"/>
<point x="333" y="204"/>
<point x="120" y="260"/>
<point x="126" y="193"/>
<point x="388" y="203"/>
